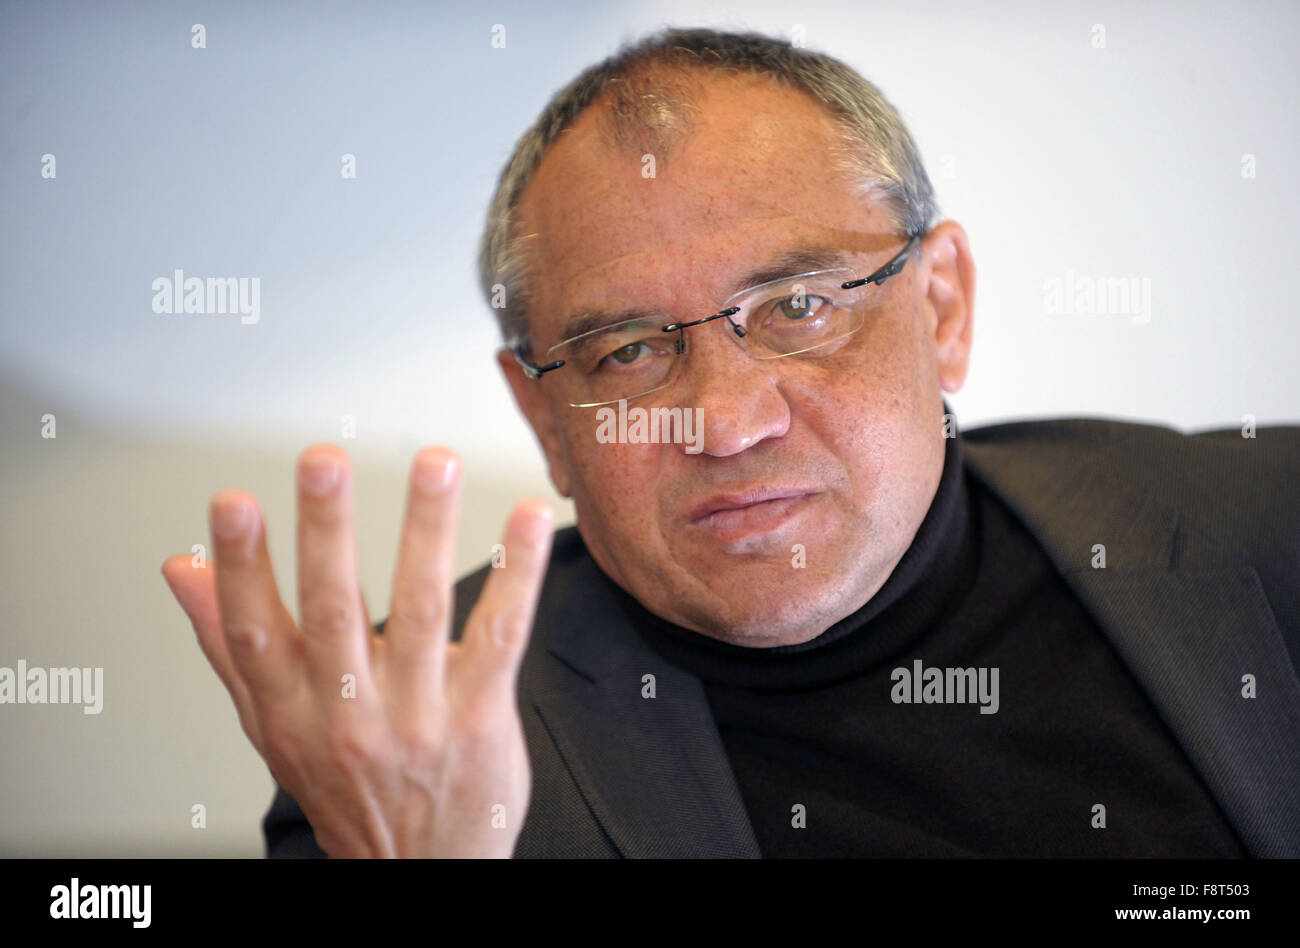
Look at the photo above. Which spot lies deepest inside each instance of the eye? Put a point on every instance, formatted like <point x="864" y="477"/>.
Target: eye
<point x="632" y="354"/>
<point x="627" y="353"/>
<point x="789" y="306"/>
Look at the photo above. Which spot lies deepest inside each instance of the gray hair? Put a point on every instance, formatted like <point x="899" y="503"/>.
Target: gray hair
<point x="650" y="86"/>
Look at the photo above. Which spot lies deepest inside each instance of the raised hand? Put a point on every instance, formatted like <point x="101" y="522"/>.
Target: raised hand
<point x="420" y="752"/>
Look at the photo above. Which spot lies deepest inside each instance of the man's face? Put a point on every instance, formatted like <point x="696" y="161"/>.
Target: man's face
<point x="850" y="445"/>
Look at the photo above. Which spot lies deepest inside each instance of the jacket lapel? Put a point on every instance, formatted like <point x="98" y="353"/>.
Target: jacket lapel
<point x="653" y="770"/>
<point x="1188" y="620"/>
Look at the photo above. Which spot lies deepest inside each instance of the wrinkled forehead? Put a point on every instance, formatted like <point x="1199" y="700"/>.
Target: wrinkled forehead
<point x="680" y="271"/>
<point x="689" y="250"/>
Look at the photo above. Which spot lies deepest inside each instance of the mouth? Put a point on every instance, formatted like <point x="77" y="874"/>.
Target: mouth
<point x="735" y="516"/>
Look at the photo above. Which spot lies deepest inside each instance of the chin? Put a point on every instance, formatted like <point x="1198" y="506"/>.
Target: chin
<point x="780" y="616"/>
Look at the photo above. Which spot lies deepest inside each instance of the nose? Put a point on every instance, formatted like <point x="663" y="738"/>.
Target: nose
<point x="738" y="397"/>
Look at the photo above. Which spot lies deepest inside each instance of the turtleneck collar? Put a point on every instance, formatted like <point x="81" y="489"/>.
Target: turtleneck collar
<point x="938" y="567"/>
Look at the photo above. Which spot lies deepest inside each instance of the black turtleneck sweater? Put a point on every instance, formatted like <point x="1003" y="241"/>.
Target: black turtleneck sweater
<point x="816" y="725"/>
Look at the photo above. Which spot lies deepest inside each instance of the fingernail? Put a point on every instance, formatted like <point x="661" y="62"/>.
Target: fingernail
<point x="229" y="519"/>
<point x="319" y="477"/>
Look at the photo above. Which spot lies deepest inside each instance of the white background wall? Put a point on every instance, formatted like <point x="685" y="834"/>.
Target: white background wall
<point x="1057" y="156"/>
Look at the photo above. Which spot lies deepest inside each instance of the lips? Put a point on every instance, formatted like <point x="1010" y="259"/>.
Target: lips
<point x="745" y="516"/>
<point x="743" y="500"/>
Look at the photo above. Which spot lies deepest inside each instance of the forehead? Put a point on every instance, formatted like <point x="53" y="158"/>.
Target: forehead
<point x="756" y="175"/>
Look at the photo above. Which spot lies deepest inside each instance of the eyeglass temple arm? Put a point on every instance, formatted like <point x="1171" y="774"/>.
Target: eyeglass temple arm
<point x="880" y="276"/>
<point x="888" y="270"/>
<point x="726" y="313"/>
<point x="532" y="370"/>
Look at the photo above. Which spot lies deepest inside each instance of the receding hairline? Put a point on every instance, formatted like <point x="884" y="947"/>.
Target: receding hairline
<point x="620" y="117"/>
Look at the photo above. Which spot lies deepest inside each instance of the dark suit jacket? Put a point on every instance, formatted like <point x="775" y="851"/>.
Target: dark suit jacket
<point x="1201" y="586"/>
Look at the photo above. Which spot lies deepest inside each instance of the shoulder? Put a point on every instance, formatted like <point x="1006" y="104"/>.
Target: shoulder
<point x="1153" y="449"/>
<point x="1279" y="443"/>
<point x="1238" y="484"/>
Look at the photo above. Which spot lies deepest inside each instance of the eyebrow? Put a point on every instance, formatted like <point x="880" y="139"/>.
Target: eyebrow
<point x="788" y="263"/>
<point x="791" y="262"/>
<point x="584" y="323"/>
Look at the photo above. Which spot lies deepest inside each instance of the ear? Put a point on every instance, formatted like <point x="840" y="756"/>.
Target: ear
<point x="949" y="273"/>
<point x="537" y="409"/>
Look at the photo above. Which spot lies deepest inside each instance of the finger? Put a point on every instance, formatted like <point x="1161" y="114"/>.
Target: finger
<point x="335" y="635"/>
<point x="419" y="614"/>
<point x="497" y="630"/>
<point x="195" y="588"/>
<point x="257" y="629"/>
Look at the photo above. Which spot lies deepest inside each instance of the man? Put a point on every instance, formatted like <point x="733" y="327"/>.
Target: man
<point x="831" y="624"/>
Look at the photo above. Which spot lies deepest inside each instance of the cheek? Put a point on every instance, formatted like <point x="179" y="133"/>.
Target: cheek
<point x="859" y="401"/>
<point x="613" y="483"/>
<point x="870" y="410"/>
